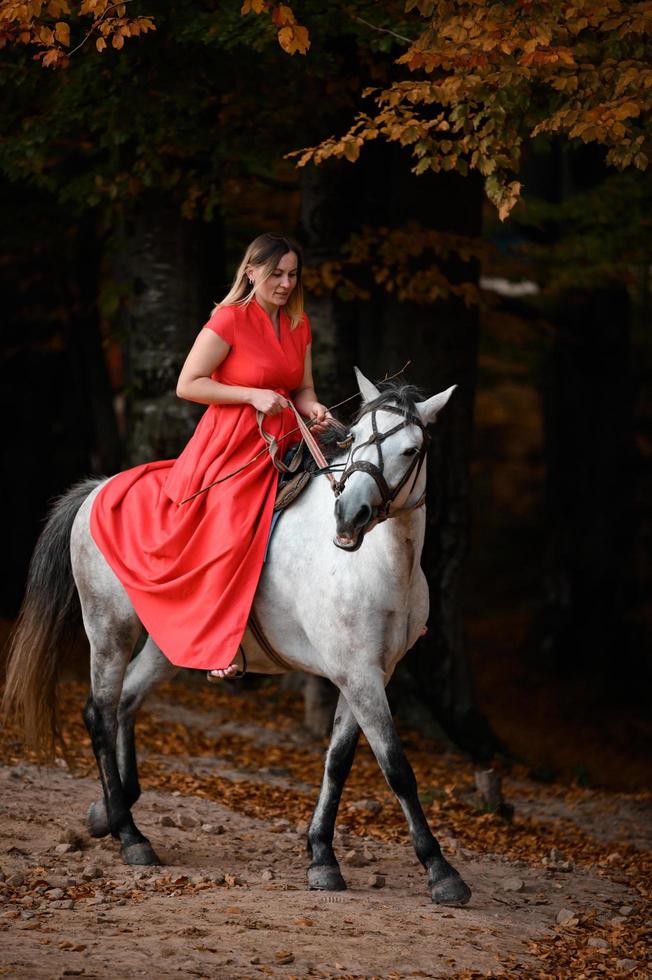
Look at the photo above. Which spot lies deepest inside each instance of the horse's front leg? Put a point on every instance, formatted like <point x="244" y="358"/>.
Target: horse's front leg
<point x="368" y="703"/>
<point x="324" y="871"/>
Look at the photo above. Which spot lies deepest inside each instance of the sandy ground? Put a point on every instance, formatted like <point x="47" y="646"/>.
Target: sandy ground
<point x="231" y="899"/>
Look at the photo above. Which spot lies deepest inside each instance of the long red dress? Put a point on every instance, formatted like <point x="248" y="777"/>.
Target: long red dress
<point x="191" y="570"/>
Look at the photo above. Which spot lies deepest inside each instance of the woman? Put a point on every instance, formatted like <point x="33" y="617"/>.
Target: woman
<point x="187" y="548"/>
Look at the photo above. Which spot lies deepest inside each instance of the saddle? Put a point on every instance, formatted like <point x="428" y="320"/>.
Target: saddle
<point x="293" y="478"/>
<point x="298" y="466"/>
<point x="289" y="490"/>
<point x="295" y="471"/>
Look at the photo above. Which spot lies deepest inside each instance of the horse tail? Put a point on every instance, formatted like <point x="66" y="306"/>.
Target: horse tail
<point x="48" y="622"/>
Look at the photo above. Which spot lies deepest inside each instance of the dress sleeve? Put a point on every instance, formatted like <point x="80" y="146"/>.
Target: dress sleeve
<point x="308" y="329"/>
<point x="222" y="322"/>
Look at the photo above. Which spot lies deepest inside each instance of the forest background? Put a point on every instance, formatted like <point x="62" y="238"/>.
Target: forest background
<point x="477" y="201"/>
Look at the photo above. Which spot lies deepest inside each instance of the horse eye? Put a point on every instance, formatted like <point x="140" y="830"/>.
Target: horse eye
<point x="410" y="452"/>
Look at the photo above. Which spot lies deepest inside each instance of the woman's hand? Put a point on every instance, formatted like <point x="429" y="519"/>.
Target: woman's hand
<point x="322" y="417"/>
<point x="267" y="401"/>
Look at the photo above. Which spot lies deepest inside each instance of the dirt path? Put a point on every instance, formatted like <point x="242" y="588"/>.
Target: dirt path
<point x="232" y="901"/>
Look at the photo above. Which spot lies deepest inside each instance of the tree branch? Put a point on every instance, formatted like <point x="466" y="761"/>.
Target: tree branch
<point x="99" y="20"/>
<point x="382" y="30"/>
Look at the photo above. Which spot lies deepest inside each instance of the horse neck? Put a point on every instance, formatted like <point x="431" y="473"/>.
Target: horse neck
<point x="405" y="529"/>
<point x="401" y="540"/>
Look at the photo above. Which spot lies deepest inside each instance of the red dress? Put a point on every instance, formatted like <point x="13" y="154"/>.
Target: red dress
<point x="191" y="570"/>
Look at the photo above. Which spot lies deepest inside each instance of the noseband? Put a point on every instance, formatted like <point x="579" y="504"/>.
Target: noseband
<point x="387" y="495"/>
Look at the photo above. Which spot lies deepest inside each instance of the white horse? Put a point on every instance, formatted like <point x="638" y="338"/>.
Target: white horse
<point x="332" y="607"/>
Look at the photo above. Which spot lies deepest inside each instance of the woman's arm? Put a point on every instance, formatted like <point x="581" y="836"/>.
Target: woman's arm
<point x="305" y="399"/>
<point x="196" y="385"/>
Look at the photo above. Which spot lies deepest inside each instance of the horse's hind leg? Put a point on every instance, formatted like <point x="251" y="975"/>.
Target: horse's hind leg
<point x="112" y="628"/>
<point x="149" y="669"/>
<point x="368" y="702"/>
<point x="110" y="652"/>
<point x="324" y="871"/>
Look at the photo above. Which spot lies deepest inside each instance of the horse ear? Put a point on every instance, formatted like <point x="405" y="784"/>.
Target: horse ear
<point x="367" y="388"/>
<point x="430" y="409"/>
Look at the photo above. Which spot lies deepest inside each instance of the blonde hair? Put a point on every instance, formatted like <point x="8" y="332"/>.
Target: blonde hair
<point x="265" y="252"/>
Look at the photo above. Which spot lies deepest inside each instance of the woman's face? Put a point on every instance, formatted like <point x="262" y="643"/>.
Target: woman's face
<point x="277" y="288"/>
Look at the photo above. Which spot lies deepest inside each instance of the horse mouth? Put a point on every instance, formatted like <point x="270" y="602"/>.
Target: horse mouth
<point x="351" y="542"/>
<point x="347" y="542"/>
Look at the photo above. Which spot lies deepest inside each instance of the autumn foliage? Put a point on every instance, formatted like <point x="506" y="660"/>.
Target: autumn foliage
<point x="486" y="77"/>
<point x="387" y="258"/>
<point x="50" y="27"/>
<point x="46" y="27"/>
<point x="292" y="37"/>
<point x="478" y="79"/>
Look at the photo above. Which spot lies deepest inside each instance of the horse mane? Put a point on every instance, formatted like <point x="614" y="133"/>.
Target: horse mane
<point x="329" y="443"/>
<point x="403" y="396"/>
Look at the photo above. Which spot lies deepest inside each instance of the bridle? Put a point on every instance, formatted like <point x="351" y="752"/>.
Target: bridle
<point x="387" y="494"/>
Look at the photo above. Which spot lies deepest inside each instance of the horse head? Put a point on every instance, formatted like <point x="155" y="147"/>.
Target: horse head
<point x="384" y="472"/>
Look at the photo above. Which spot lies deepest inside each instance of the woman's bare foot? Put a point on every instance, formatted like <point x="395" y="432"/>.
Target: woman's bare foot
<point x="220" y="673"/>
<point x="234" y="669"/>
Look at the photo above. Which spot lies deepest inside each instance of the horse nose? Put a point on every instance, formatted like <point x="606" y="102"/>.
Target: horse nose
<point x="363" y="516"/>
<point x="349" y="521"/>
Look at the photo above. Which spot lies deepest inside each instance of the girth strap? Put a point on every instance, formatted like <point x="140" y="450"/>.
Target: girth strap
<point x="265" y="645"/>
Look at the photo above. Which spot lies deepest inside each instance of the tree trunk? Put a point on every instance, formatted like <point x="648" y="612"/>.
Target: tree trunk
<point x="433" y="684"/>
<point x="105" y="449"/>
<point x="585" y="619"/>
<point x="49" y="389"/>
<point x="326" y="195"/>
<point x="583" y="623"/>
<point x="171" y="267"/>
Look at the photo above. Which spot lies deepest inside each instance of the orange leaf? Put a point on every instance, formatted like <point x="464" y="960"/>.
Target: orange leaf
<point x="253" y="7"/>
<point x="293" y="39"/>
<point x="62" y="33"/>
<point x="286" y="39"/>
<point x="283" y="15"/>
<point x="301" y="39"/>
<point x="100" y="44"/>
<point x="351" y="151"/>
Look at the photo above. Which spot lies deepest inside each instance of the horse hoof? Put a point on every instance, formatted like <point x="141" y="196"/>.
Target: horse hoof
<point x="142" y="853"/>
<point x="96" y="820"/>
<point x="326" y="878"/>
<point x="451" y="891"/>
